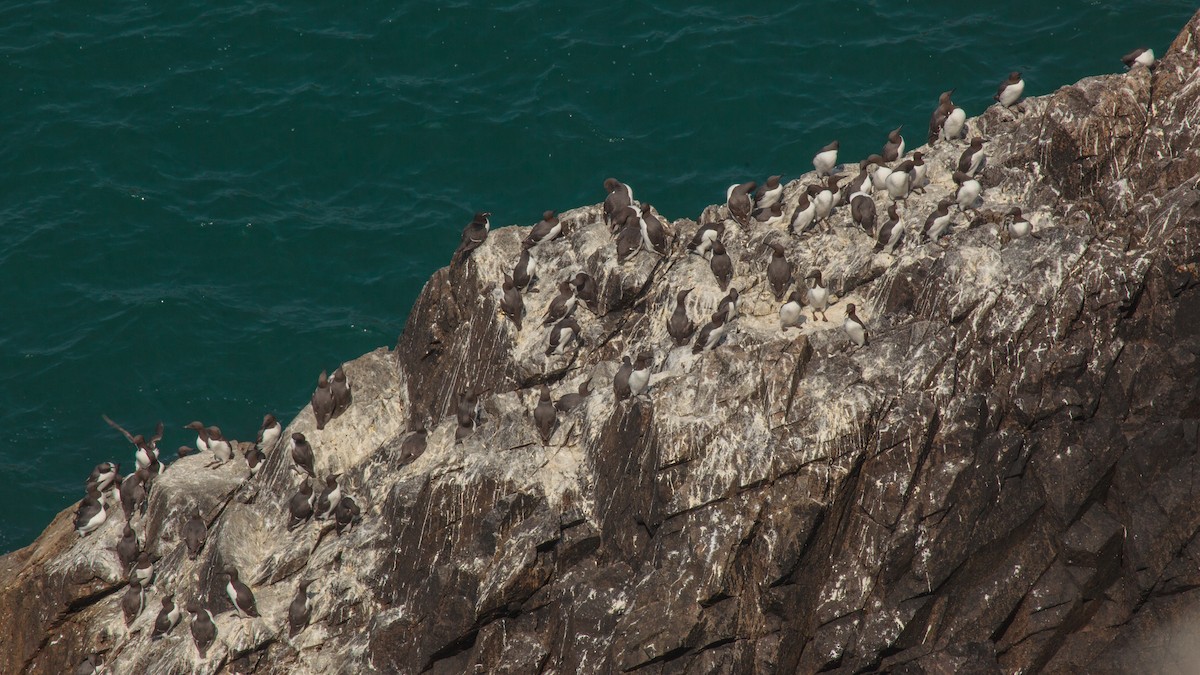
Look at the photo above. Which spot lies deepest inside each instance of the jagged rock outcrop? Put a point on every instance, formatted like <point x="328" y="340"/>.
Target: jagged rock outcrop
<point x="1005" y="478"/>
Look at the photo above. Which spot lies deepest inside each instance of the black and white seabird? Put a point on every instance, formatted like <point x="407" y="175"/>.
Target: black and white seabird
<point x="826" y="159"/>
<point x="473" y="236"/>
<point x="779" y="270"/>
<point x="621" y="390"/>
<point x="894" y="148"/>
<point x="300" y="505"/>
<point x="817" y="295"/>
<point x="240" y="594"/>
<point x="619" y="195"/>
<point x="340" y="387"/>
<point x="721" y="265"/>
<point x="825" y="197"/>
<point x="512" y="305"/>
<point x="569" y="402"/>
<point x="711" y="334"/>
<point x="1018" y="226"/>
<point x="916" y="175"/>
<point x="302" y="455"/>
<point x="563" y="333"/>
<point x="1010" y="90"/>
<point x="772" y="216"/>
<point x="204" y="630"/>
<point x="525" y="269"/>
<point x="740" y="199"/>
<point x="880" y="175"/>
<point x="639" y="377"/>
<point x="268" y="433"/>
<point x="546" y="230"/>
<point x="91" y="513"/>
<point x="414" y="445"/>
<point x="346" y="514"/>
<point x="805" y="213"/>
<point x="103" y="476"/>
<point x="328" y="500"/>
<point x="133" y="492"/>
<point x="855" y="328"/>
<point x="168" y="616"/>
<point x="220" y="448"/>
<point x="300" y="611"/>
<point x="654" y="233"/>
<point x="144" y="448"/>
<point x="939" y="221"/>
<point x="322" y="401"/>
<point x="769" y="194"/>
<point x="862" y="212"/>
<point x="201" y="435"/>
<point x="938" y="119"/>
<point x="134" y="601"/>
<point x="791" y="312"/>
<point x="728" y="305"/>
<point x="143" y="569"/>
<point x="1142" y="56"/>
<point x="890" y="233"/>
<point x="899" y="181"/>
<point x="194" y="533"/>
<point x="587" y="292"/>
<point x="562" y="305"/>
<point x="628" y="241"/>
<point x="954" y="124"/>
<point x="467" y="407"/>
<point x="128" y="548"/>
<point x="705" y="236"/>
<point x="972" y="159"/>
<point x="544" y="415"/>
<point x="969" y="191"/>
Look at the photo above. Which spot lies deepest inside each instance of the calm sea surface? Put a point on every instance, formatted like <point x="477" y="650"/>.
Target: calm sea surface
<point x="205" y="204"/>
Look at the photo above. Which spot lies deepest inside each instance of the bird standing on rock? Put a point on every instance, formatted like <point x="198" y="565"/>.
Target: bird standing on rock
<point x="1010" y="90"/>
<point x="621" y="389"/>
<point x="569" y="402"/>
<point x="473" y="235"/>
<point x="705" y="236"/>
<point x="194" y="533"/>
<point x="711" y="334"/>
<point x="268" y="433"/>
<point x="240" y="595"/>
<point x="300" y="610"/>
<point x="525" y="269"/>
<point x="939" y="221"/>
<point x="587" y="291"/>
<point x="854" y="327"/>
<point x="300" y="505"/>
<point x="545" y="230"/>
<point x="969" y="191"/>
<point x="204" y="630"/>
<point x="894" y="148"/>
<point x="973" y="158"/>
<point x="564" y="332"/>
<point x="740" y="201"/>
<point x="818" y="295"/>
<point x="769" y="194"/>
<point x="805" y="213"/>
<point x="619" y="195"/>
<point x="721" y="265"/>
<point x="639" y="377"/>
<point x="891" y="232"/>
<point x="167" y="617"/>
<point x="512" y="305"/>
<point x="826" y="159"/>
<point x="302" y="455"/>
<point x="728" y="305"/>
<point x="544" y="415"/>
<point x="779" y="270"/>
<point x="322" y="401"/>
<point x="340" y="387"/>
<point x="790" y="313"/>
<point x="562" y="305"/>
<point x="679" y="326"/>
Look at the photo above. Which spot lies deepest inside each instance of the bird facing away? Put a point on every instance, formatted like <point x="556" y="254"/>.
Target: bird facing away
<point x="544" y="415"/>
<point x="680" y="327"/>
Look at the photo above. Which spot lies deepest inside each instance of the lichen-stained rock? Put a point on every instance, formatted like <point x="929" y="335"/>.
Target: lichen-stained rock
<point x="1005" y="479"/>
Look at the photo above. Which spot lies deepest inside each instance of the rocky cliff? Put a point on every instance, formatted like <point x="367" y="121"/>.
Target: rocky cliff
<point x="1005" y="478"/>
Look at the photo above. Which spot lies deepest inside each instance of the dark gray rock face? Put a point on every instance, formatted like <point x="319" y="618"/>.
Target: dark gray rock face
<point x="1005" y="479"/>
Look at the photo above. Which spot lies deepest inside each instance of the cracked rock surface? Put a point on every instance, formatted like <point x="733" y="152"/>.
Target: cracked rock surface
<point x="1004" y="479"/>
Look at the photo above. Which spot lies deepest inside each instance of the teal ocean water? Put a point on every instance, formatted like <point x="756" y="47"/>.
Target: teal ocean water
<point x="205" y="204"/>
